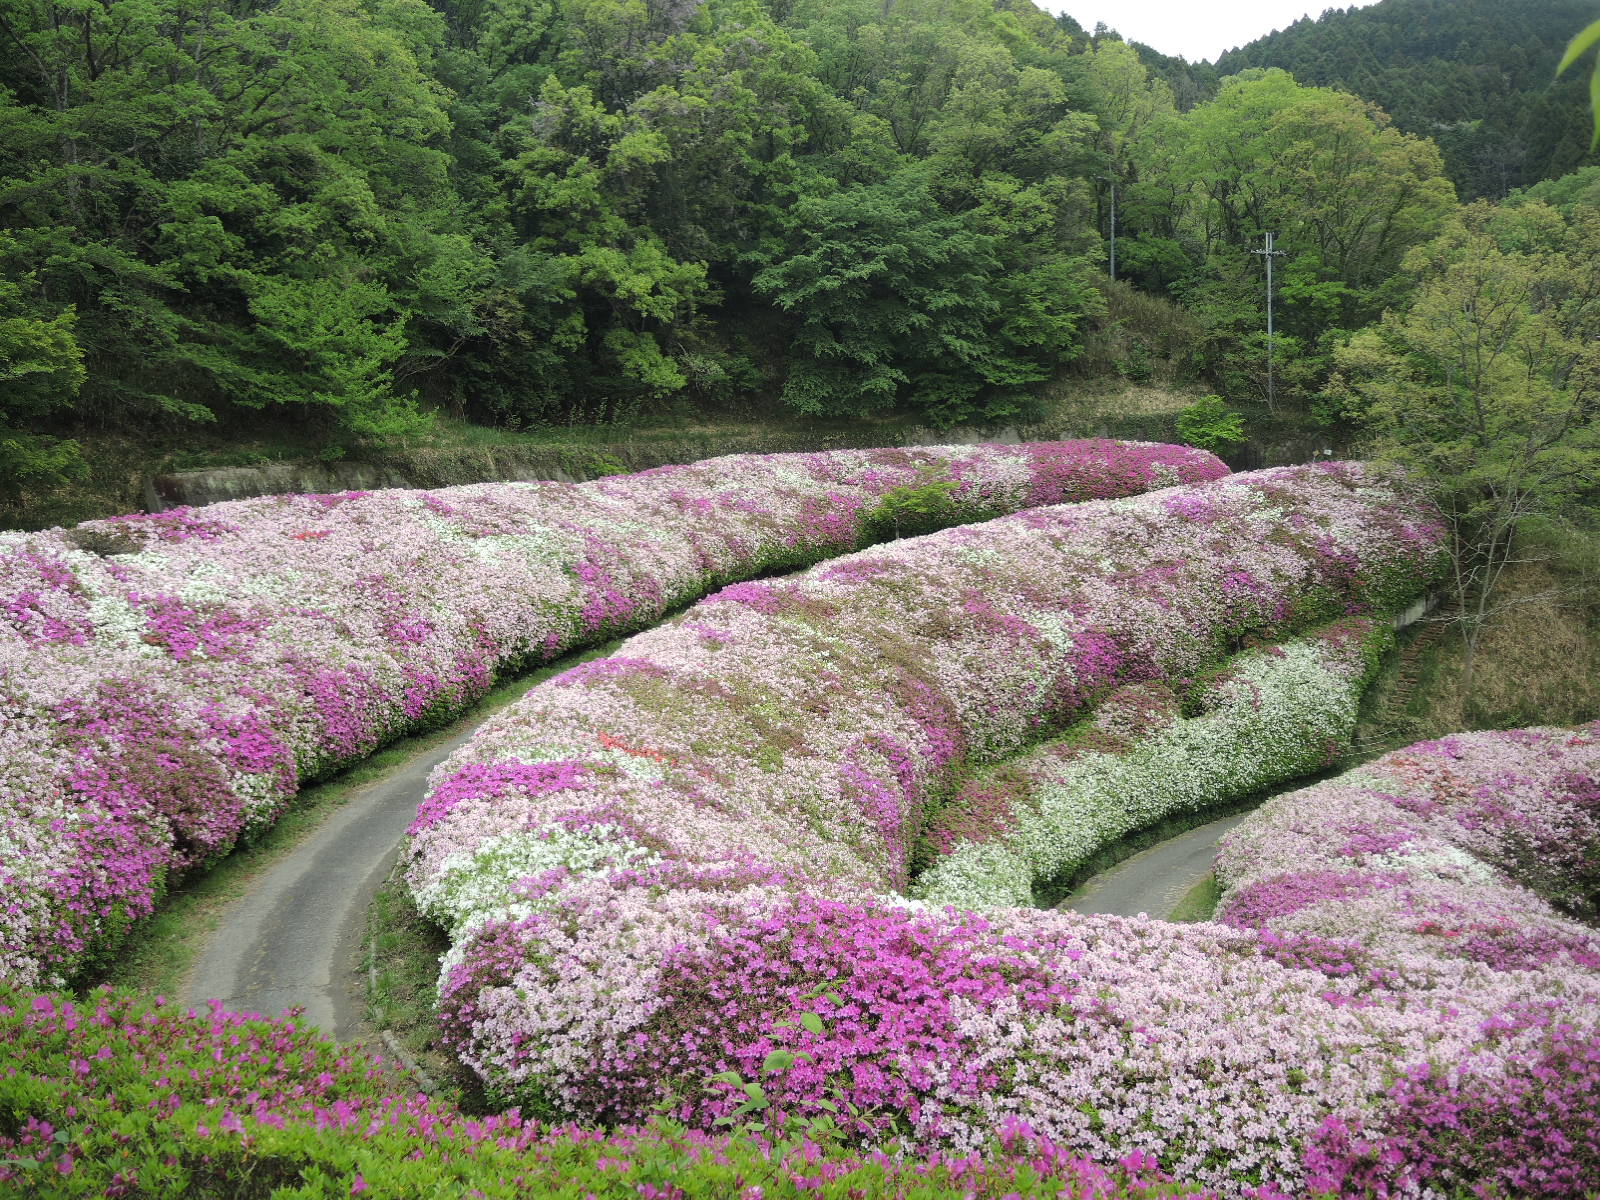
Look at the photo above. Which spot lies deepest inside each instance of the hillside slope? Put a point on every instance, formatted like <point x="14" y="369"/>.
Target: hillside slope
<point x="1478" y="76"/>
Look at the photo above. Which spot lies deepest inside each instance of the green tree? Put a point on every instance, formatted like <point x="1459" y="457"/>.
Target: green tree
<point x="1487" y="384"/>
<point x="1345" y="193"/>
<point x="1475" y="75"/>
<point x="897" y="300"/>
<point x="41" y="370"/>
<point x="244" y="204"/>
<point x="1566" y="193"/>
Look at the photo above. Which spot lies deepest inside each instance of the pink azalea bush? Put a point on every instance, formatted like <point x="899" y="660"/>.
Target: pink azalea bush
<point x="662" y="867"/>
<point x="168" y="681"/>
<point x="1444" y="878"/>
<point x="117" y="1097"/>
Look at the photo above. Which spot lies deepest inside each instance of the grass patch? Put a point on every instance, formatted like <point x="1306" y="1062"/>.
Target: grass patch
<point x="160" y="952"/>
<point x="1200" y="904"/>
<point x="1538" y="657"/>
<point x="402" y="973"/>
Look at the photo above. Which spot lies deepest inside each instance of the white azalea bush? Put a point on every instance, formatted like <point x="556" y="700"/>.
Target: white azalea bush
<point x="1271" y="715"/>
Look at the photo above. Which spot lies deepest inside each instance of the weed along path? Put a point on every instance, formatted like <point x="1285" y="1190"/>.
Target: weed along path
<point x="1154" y="881"/>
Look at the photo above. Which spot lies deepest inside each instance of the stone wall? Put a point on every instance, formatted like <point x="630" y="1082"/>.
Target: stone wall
<point x="442" y="467"/>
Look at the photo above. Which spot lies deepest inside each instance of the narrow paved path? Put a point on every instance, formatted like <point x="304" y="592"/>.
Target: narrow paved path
<point x="1154" y="880"/>
<point x="296" y="938"/>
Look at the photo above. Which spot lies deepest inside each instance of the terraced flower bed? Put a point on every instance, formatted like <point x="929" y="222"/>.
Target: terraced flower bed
<point x="677" y="881"/>
<point x="669" y="870"/>
<point x="167" y="682"/>
<point x="1393" y="997"/>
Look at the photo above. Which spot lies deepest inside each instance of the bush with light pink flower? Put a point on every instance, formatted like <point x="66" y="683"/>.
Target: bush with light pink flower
<point x="1446" y="877"/>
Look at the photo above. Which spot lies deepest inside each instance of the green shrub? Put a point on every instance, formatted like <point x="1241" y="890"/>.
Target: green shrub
<point x="922" y="508"/>
<point x="1209" y="424"/>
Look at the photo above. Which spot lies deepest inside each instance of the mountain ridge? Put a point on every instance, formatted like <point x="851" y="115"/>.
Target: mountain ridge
<point x="1477" y="76"/>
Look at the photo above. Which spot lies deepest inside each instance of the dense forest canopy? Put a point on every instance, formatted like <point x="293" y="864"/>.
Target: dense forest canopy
<point x="352" y="214"/>
<point x="1476" y="76"/>
<point x="537" y="209"/>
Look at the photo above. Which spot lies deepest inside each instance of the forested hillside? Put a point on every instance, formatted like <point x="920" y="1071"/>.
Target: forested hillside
<point x="348" y="211"/>
<point x="1477" y="76"/>
<point x="352" y="217"/>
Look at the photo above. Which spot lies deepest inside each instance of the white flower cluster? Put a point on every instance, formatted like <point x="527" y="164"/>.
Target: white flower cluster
<point x="1273" y="715"/>
<point x="475" y="886"/>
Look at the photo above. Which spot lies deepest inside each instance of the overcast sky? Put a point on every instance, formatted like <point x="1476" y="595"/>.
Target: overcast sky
<point x="1196" y="29"/>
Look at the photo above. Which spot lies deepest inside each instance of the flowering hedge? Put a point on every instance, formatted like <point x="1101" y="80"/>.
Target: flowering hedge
<point x="167" y="681"/>
<point x="1268" y="716"/>
<point x="116" y="1097"/>
<point x="661" y="867"/>
<point x="1439" y="882"/>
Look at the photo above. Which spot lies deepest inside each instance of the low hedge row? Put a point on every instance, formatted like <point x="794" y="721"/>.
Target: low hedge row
<point x="665" y="868"/>
<point x="120" y="1097"/>
<point x="1146" y="755"/>
<point x="1440" y="883"/>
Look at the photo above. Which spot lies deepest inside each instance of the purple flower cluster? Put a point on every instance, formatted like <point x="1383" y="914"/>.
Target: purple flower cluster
<point x="1445" y="877"/>
<point x="168" y="681"/>
<point x="721" y="874"/>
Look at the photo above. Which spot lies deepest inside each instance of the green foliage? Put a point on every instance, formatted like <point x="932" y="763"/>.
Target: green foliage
<point x="349" y="213"/>
<point x="344" y="216"/>
<point x="1582" y="187"/>
<point x="242" y="204"/>
<point x="41" y="362"/>
<point x="1580" y="45"/>
<point x="898" y="300"/>
<point x="908" y="510"/>
<point x="1209" y="424"/>
<point x="33" y="462"/>
<point x="1345" y="193"/>
<point x="1475" y="75"/>
<point x="1141" y="336"/>
<point x="1485" y="386"/>
<point x="41" y="370"/>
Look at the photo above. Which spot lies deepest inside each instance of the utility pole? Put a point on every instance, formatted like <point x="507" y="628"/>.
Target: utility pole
<point x="1268" y="253"/>
<point x="1113" y="181"/>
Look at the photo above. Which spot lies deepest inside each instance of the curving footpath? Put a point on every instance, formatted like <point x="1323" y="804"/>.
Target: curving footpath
<point x="295" y="940"/>
<point x="1154" y="881"/>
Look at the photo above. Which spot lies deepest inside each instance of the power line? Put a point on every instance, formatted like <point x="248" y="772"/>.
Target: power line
<point x="1267" y="252"/>
<point x="1113" y="181"/>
